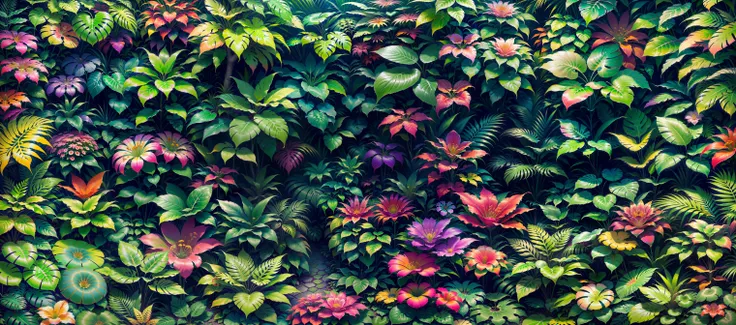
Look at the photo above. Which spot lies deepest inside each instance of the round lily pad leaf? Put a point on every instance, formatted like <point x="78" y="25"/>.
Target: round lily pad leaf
<point x="76" y="253"/>
<point x="82" y="286"/>
<point x="43" y="275"/>
<point x="21" y="253"/>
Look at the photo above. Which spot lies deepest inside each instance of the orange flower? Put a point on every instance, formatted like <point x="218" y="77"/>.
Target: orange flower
<point x="59" y="314"/>
<point x="12" y="98"/>
<point x="713" y="310"/>
<point x="83" y="190"/>
<point x="485" y="259"/>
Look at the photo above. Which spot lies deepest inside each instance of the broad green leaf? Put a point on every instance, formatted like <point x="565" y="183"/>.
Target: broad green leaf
<point x="674" y="131"/>
<point x="395" y="80"/>
<point x="398" y="54"/>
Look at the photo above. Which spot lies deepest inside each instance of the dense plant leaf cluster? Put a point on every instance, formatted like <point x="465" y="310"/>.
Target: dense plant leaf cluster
<point x="452" y="162"/>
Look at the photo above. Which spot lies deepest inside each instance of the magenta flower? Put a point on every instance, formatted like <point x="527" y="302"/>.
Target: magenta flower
<point x="184" y="246"/>
<point x="172" y="145"/>
<point x="80" y="64"/>
<point x="461" y="46"/>
<point x="21" y="40"/>
<point x="135" y="150"/>
<point x="338" y="305"/>
<point x="453" y="246"/>
<point x="61" y="85"/>
<point x="449" y="94"/>
<point x="216" y="176"/>
<point x="384" y="154"/>
<point x="413" y="263"/>
<point x="23" y="67"/>
<point x="430" y="232"/>
<point x="416" y="295"/>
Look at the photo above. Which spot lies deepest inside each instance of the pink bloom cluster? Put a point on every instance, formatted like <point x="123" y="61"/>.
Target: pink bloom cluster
<point x="315" y="308"/>
<point x="144" y="148"/>
<point x="417" y="295"/>
<point x="72" y="145"/>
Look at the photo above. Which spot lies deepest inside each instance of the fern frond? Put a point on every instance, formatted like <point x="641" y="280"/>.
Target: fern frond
<point x="22" y="139"/>
<point x="723" y="185"/>
<point x="519" y="172"/>
<point x="525" y="249"/>
<point x="559" y="240"/>
<point x="682" y="206"/>
<point x="265" y="273"/>
<point x="484" y="132"/>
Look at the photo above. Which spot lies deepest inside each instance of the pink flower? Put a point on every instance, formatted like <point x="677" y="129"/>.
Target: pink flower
<point x="450" y="94"/>
<point x="505" y="47"/>
<point x="461" y="46"/>
<point x="693" y="117"/>
<point x="184" y="246"/>
<point x="416" y="295"/>
<point x="449" y="299"/>
<point x="356" y="210"/>
<point x="410" y="263"/>
<point x="360" y="48"/>
<point x="21" y="40"/>
<point x="23" y="67"/>
<point x="393" y="207"/>
<point x="136" y="150"/>
<point x="453" y="146"/>
<point x="338" y="305"/>
<point x="406" y="18"/>
<point x="641" y="220"/>
<point x="501" y="9"/>
<point x="453" y="246"/>
<point x="172" y="145"/>
<point x="486" y="211"/>
<point x="485" y="259"/>
<point x="216" y="176"/>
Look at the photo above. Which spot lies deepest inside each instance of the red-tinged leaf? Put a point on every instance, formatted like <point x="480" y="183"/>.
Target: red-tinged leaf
<point x="576" y="95"/>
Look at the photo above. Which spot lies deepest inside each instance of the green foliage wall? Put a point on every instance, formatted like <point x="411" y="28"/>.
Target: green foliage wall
<point x="367" y="162"/>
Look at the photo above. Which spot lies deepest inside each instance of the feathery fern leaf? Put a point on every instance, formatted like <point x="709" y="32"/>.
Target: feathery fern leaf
<point x="22" y="139"/>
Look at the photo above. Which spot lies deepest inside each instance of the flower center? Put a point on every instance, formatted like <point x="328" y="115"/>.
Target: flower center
<point x="84" y="284"/>
<point x="78" y="255"/>
<point x="182" y="249"/>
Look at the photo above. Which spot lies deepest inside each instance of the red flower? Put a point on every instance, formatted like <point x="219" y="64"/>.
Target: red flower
<point x="713" y="310"/>
<point x="641" y="220"/>
<point x="404" y="119"/>
<point x="306" y="309"/>
<point x="487" y="212"/>
<point x="461" y="46"/>
<point x="450" y="94"/>
<point x="449" y="299"/>
<point x="620" y="31"/>
<point x="726" y="148"/>
<point x="356" y="210"/>
<point x="393" y="207"/>
<point x="416" y="295"/>
<point x="410" y="263"/>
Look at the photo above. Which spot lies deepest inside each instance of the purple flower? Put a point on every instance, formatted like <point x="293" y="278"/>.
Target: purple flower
<point x="453" y="246"/>
<point x="61" y="85"/>
<point x="430" y="232"/>
<point x="383" y="155"/>
<point x="79" y="64"/>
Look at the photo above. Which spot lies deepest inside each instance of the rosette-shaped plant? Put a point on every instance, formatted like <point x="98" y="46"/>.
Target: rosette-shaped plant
<point x="430" y="232"/>
<point x="594" y="296"/>
<point x="384" y="154"/>
<point x="183" y="246"/>
<point x="452" y="94"/>
<point x="337" y="305"/>
<point x="505" y="48"/>
<point x="501" y="9"/>
<point x="79" y="64"/>
<point x="13" y="98"/>
<point x="486" y="211"/>
<point x="393" y="207"/>
<point x="306" y="310"/>
<point x="413" y="263"/>
<point x="416" y="295"/>
<point x="404" y="119"/>
<point x="82" y="286"/>
<point x="642" y="221"/>
<point x="356" y="210"/>
<point x="170" y="19"/>
<point x="485" y="259"/>
<point x="630" y="41"/>
<point x="72" y="145"/>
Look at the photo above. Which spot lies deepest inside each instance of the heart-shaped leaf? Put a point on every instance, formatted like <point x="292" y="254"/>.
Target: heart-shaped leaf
<point x="93" y="29"/>
<point x="604" y="203"/>
<point x="552" y="273"/>
<point x="20" y="253"/>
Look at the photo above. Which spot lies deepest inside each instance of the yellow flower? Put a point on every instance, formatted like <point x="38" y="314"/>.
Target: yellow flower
<point x="387" y="296"/>
<point x="59" y="314"/>
<point x="617" y="240"/>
